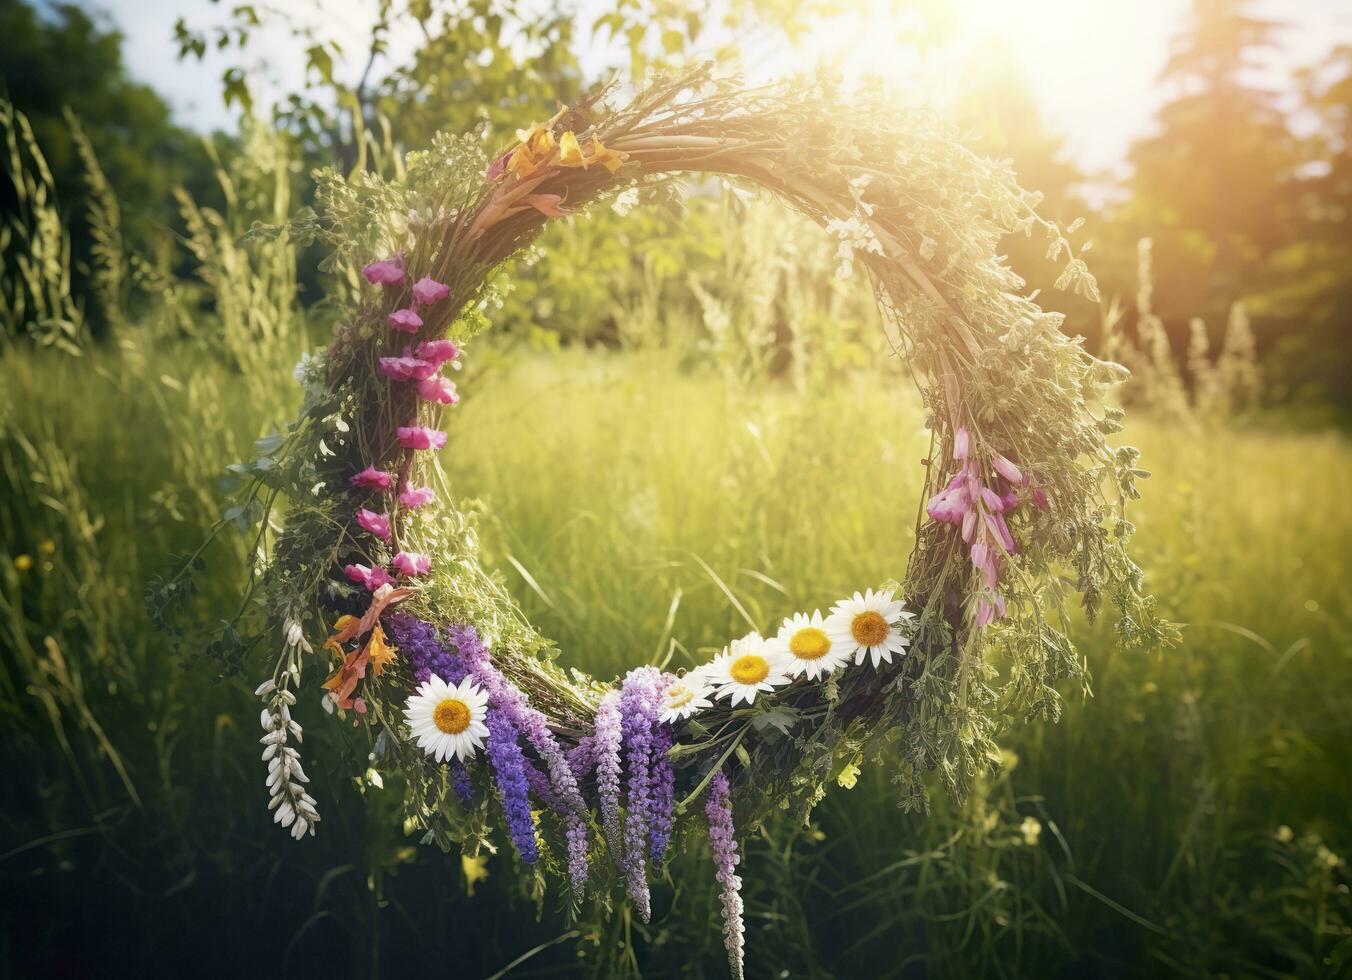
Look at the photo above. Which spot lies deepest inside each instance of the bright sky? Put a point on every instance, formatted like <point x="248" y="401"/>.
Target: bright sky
<point x="1092" y="63"/>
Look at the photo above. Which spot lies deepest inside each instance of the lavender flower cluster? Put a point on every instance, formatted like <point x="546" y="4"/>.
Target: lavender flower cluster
<point x="627" y="753"/>
<point x="509" y="770"/>
<point x="423" y="651"/>
<point x="563" y="794"/>
<point x="638" y="716"/>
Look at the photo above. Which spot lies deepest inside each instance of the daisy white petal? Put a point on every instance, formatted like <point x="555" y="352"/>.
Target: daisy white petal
<point x="868" y="626"/>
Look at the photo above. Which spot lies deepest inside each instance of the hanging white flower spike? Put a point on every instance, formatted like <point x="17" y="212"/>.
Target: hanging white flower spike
<point x="746" y="667"/>
<point x="868" y="625"/>
<point x="448" y="720"/>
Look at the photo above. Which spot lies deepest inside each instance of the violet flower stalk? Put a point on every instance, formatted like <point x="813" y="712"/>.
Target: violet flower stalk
<point x="509" y="769"/>
<point x="639" y="706"/>
<point x="460" y="783"/>
<point x="509" y="699"/>
<point x="662" y="787"/>
<point x="607" y="742"/>
<point x="723" y="842"/>
<point x="423" y="651"/>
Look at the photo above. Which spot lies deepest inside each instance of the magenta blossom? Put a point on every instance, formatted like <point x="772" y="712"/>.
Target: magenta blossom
<point x="390" y="272"/>
<point x="414" y="497"/>
<point x="411" y="564"/>
<point x="406" y="368"/>
<point x="372" y="578"/>
<point x="427" y="291"/>
<point x="377" y="524"/>
<point x="420" y="437"/>
<point x="372" y="479"/>
<point x="438" y="352"/>
<point x="405" y="320"/>
<point x="438" y="389"/>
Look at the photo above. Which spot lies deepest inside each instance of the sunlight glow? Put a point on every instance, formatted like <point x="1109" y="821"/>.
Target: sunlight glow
<point x="1084" y="61"/>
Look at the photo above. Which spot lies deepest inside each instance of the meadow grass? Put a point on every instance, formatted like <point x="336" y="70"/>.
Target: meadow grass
<point x="1188" y="817"/>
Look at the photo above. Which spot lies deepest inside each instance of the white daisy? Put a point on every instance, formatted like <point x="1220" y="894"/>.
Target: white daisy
<point x="807" y="647"/>
<point x="748" y="665"/>
<point x="684" y="696"/>
<point x="448" y="720"/>
<point x="868" y="624"/>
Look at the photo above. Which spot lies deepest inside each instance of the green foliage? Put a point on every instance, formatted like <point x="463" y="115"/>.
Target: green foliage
<point x="1159" y="803"/>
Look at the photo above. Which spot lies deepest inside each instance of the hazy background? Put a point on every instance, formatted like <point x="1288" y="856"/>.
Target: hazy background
<point x="662" y="394"/>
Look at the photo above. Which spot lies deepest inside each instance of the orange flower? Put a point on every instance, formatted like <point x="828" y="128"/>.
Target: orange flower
<point x="346" y="627"/>
<point x="380" y="651"/>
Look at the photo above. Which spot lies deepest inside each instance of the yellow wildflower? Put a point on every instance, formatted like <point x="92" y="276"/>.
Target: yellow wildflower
<point x="612" y="160"/>
<point x="47" y="547"/>
<point x="570" y="153"/>
<point x="542" y="143"/>
<point x="23" y="562"/>
<point x="475" y="870"/>
<point x="522" y="163"/>
<point x="380" y="651"/>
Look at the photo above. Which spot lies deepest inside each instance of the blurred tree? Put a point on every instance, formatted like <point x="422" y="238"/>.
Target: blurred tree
<point x="1307" y="292"/>
<point x="62" y="57"/>
<point x="1210" y="186"/>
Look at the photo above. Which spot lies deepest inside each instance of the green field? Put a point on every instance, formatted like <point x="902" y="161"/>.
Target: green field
<point x="1189" y="815"/>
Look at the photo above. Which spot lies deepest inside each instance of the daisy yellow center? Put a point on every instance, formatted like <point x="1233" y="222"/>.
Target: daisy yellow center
<point x="678" y="695"/>
<point x="749" y="669"/>
<point x="869" y="629"/>
<point x="809" y="643"/>
<point x="451" y="716"/>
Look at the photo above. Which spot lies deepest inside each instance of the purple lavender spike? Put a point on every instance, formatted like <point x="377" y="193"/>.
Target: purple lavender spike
<point x="510" y="699"/>
<point x="509" y="768"/>
<point x="639" y="704"/>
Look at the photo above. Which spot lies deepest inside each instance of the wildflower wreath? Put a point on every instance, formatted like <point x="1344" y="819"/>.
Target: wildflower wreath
<point x="427" y="654"/>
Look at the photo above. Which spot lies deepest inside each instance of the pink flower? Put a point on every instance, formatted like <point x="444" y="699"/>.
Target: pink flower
<point x="997" y="524"/>
<point x="410" y="564"/>
<point x="438" y="389"/>
<point x="438" y="352"/>
<point x="372" y="479"/>
<point x="405" y="320"/>
<point x="949" y="506"/>
<point x="961" y="443"/>
<point x="372" y="578"/>
<point x="415" y="497"/>
<point x="420" y="437"/>
<point x="406" y="368"/>
<point x="968" y="526"/>
<point x="1007" y="469"/>
<point x="427" y="291"/>
<point x="1040" y="499"/>
<point x="390" y="272"/>
<point x="377" y="524"/>
<point x="498" y="167"/>
<point x="992" y="499"/>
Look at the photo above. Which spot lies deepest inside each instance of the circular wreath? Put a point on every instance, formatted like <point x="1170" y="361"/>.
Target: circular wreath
<point x="431" y="658"/>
